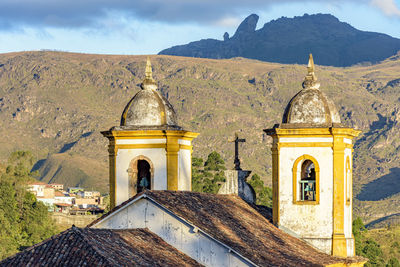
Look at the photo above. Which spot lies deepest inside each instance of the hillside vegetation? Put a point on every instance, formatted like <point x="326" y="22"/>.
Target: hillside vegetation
<point x="55" y="104"/>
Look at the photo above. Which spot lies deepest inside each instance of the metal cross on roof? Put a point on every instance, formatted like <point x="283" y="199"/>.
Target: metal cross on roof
<point x="237" y="140"/>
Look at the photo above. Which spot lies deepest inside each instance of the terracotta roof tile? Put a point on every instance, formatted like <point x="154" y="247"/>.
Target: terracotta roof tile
<point x="101" y="247"/>
<point x="59" y="194"/>
<point x="246" y="229"/>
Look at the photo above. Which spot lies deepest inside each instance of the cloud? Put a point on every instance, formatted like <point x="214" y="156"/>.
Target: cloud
<point x="388" y="7"/>
<point x="228" y="21"/>
<point x="90" y="14"/>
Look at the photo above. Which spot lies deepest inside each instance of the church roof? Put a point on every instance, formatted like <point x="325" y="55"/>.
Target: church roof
<point x="233" y="222"/>
<point x="148" y="108"/>
<point x="101" y="247"/>
<point x="310" y="105"/>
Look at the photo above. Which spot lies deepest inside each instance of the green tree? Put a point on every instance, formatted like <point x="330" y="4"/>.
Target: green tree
<point x="214" y="162"/>
<point x="263" y="193"/>
<point x="24" y="221"/>
<point x="209" y="176"/>
<point x="197" y="174"/>
<point x="367" y="247"/>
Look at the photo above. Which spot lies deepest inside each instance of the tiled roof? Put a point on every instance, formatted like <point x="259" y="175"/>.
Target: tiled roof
<point x="232" y="221"/>
<point x="101" y="247"/>
<point x="59" y="194"/>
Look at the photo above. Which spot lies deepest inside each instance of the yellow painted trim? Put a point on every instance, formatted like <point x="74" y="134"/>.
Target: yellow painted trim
<point x="316" y="132"/>
<point x="188" y="147"/>
<point x="172" y="162"/>
<point x="303" y="132"/>
<point x="339" y="244"/>
<point x="112" y="150"/>
<point x="144" y="134"/>
<point x="344" y="264"/>
<point x="135" y="146"/>
<point x="294" y="176"/>
<point x="348" y="146"/>
<point x="275" y="186"/>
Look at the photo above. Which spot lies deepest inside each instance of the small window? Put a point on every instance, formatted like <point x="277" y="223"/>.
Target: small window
<point x="307" y="182"/>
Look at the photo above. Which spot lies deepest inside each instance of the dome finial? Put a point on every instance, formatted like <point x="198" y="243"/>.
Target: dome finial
<point x="148" y="82"/>
<point x="149" y="72"/>
<point x="310" y="81"/>
<point x="310" y="66"/>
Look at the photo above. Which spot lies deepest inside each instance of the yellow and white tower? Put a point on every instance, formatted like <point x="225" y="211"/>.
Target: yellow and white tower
<point x="312" y="171"/>
<point x="148" y="150"/>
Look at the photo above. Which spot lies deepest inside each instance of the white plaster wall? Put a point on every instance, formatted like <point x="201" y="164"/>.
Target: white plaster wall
<point x="184" y="142"/>
<point x="305" y="139"/>
<point x="143" y="213"/>
<point x="307" y="221"/>
<point x="124" y="157"/>
<point x="184" y="169"/>
<point x="351" y="251"/>
<point x="347" y="141"/>
<point x="140" y="141"/>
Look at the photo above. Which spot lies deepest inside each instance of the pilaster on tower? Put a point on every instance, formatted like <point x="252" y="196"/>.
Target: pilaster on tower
<point x="312" y="171"/>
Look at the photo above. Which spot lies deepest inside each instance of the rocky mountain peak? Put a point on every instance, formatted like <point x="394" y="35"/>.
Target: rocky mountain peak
<point x="248" y="25"/>
<point x="290" y="40"/>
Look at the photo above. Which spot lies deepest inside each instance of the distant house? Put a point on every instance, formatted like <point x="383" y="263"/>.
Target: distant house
<point x="37" y="188"/>
<point x="63" y="198"/>
<point x="88" y="194"/>
<point x="75" y="190"/>
<point x="57" y="186"/>
<point x="63" y="207"/>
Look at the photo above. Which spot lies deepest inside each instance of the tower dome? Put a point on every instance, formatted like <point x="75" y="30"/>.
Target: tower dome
<point x="148" y="150"/>
<point x="311" y="106"/>
<point x="148" y="108"/>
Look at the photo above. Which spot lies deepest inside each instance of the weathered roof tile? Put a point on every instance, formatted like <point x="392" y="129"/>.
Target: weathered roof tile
<point x="101" y="247"/>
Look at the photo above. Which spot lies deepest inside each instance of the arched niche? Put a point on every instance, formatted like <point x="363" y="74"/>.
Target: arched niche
<point x="139" y="167"/>
<point x="306" y="180"/>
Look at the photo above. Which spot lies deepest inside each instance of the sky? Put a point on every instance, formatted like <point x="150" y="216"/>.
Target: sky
<point x="137" y="27"/>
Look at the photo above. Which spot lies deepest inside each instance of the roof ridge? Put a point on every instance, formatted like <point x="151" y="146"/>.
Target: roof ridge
<point x="80" y="231"/>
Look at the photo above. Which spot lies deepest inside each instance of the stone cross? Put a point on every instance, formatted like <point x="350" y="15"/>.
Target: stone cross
<point x="237" y="160"/>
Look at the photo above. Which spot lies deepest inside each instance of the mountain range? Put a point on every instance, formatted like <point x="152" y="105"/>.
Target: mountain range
<point x="287" y="40"/>
<point x="55" y="104"/>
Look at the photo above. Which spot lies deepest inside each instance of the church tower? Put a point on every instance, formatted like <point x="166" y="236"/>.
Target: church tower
<point x="312" y="171"/>
<point x="148" y="150"/>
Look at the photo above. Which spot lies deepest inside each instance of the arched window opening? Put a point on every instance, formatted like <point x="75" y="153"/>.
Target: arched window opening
<point x="144" y="176"/>
<point x="307" y="181"/>
<point x="140" y="175"/>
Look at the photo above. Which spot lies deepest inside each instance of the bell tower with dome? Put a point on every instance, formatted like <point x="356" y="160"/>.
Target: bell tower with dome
<point x="312" y="171"/>
<point x="148" y="150"/>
